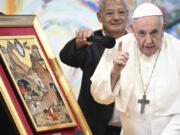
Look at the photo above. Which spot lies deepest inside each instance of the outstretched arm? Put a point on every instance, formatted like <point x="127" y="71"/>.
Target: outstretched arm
<point x="73" y="53"/>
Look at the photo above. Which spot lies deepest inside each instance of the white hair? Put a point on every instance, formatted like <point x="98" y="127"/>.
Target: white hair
<point x="101" y="3"/>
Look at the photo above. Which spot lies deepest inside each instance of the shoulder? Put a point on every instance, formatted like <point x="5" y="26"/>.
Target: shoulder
<point x="171" y="41"/>
<point x="170" y="38"/>
<point x="127" y="41"/>
<point x="126" y="37"/>
<point x="98" y="33"/>
<point x="172" y="45"/>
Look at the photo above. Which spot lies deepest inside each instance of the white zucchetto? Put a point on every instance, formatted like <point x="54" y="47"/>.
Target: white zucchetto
<point x="146" y="9"/>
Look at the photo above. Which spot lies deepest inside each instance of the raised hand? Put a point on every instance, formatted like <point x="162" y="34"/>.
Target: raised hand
<point x="119" y="60"/>
<point x="81" y="37"/>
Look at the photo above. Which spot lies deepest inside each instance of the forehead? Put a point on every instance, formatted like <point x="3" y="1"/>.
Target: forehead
<point x="113" y="4"/>
<point x="148" y="22"/>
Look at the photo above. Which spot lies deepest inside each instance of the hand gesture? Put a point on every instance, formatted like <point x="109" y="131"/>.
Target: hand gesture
<point x="81" y="37"/>
<point x="120" y="60"/>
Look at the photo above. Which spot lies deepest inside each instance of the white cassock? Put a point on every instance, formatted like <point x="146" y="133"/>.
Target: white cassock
<point x="162" y="115"/>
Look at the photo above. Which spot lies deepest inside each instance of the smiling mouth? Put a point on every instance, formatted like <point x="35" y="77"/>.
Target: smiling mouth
<point x="116" y="23"/>
<point x="148" y="46"/>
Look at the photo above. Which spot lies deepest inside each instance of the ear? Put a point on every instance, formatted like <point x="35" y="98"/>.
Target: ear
<point x="99" y="16"/>
<point x="164" y="26"/>
<point x="131" y="26"/>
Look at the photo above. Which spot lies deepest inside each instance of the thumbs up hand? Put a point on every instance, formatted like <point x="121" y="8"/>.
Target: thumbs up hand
<point x="119" y="61"/>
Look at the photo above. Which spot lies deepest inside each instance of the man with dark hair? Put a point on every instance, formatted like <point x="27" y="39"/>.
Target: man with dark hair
<point x="80" y="53"/>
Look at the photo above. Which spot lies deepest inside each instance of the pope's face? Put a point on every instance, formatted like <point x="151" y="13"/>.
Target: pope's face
<point x="148" y="32"/>
<point x="113" y="17"/>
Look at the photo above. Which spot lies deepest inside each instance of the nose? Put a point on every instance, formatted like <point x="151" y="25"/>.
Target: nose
<point x="116" y="16"/>
<point x="148" y="39"/>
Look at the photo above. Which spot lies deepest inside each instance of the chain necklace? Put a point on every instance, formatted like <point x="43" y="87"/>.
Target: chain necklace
<point x="144" y="101"/>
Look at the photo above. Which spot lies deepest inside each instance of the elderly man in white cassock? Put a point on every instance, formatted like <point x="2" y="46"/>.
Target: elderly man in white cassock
<point x="141" y="74"/>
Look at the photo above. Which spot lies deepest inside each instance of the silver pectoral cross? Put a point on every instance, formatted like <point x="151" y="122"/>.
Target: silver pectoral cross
<point x="143" y="102"/>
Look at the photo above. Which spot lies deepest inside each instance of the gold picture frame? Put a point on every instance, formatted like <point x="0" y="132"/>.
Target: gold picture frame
<point x="35" y="74"/>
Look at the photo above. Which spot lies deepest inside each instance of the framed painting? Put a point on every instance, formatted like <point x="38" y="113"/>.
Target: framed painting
<point x="35" y="78"/>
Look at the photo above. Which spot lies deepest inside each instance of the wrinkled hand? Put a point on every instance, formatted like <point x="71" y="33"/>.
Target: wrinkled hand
<point x="119" y="61"/>
<point x="81" y="37"/>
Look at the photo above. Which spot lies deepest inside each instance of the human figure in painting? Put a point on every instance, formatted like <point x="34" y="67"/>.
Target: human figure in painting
<point x="23" y="86"/>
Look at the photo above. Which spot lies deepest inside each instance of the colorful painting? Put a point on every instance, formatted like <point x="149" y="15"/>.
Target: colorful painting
<point x="171" y="9"/>
<point x="35" y="83"/>
<point x="60" y="19"/>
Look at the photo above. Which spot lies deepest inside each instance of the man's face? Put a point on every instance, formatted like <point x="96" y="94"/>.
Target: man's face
<point x="148" y="32"/>
<point x="113" y="17"/>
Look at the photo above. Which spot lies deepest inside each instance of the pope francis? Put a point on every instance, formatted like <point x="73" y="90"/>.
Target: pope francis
<point x="141" y="74"/>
